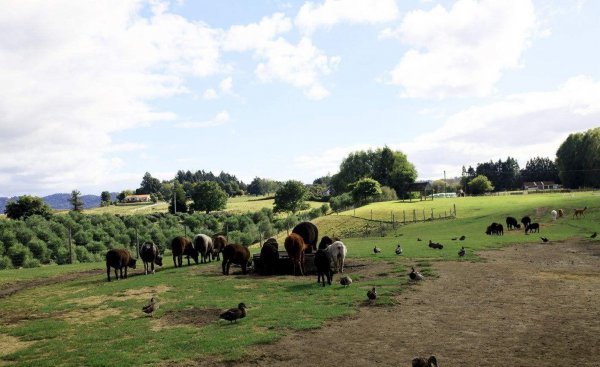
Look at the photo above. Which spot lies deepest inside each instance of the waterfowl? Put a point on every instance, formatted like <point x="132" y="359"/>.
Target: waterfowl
<point x="422" y="362"/>
<point x="376" y="250"/>
<point x="594" y="235"/>
<point x="372" y="294"/>
<point x="462" y="252"/>
<point x="462" y="238"/>
<point x="345" y="281"/>
<point x="233" y="314"/>
<point x="150" y="307"/>
<point x="544" y="239"/>
<point x="398" y="250"/>
<point x="415" y="275"/>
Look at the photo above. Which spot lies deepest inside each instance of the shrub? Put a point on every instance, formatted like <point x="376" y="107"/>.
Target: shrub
<point x="39" y="250"/>
<point x="32" y="263"/>
<point x="19" y="254"/>
<point x="5" y="263"/>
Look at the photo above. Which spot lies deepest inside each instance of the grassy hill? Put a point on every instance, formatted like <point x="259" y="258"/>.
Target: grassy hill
<point x="81" y="315"/>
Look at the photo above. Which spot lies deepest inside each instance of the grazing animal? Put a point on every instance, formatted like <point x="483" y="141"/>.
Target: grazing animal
<point x="150" y="307"/>
<point x="398" y="250"/>
<point x="532" y="227"/>
<point x="219" y="243"/>
<point x="204" y="245"/>
<point x="544" y="239"/>
<point x="309" y="233"/>
<point x="594" y="235"/>
<point x="345" y="281"/>
<point x="419" y="239"/>
<point x="326" y="241"/>
<point x="119" y="259"/>
<point x="269" y="256"/>
<point x="233" y="314"/>
<point x="525" y="220"/>
<point x="495" y="228"/>
<point x="462" y="252"/>
<point x="183" y="246"/>
<point x="376" y="250"/>
<point x="235" y="254"/>
<point x="435" y="245"/>
<point x="296" y="247"/>
<point x="579" y="212"/>
<point x="323" y="264"/>
<point x="561" y="213"/>
<point x="150" y="255"/>
<point x="554" y="214"/>
<point x="372" y="294"/>
<point x="337" y="252"/>
<point x="511" y="223"/>
<point x="422" y="362"/>
<point x="462" y="238"/>
<point x="415" y="275"/>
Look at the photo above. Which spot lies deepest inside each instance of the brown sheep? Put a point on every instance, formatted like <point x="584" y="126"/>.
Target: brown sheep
<point x="309" y="234"/>
<point x="183" y="246"/>
<point x="150" y="255"/>
<point x="219" y="243"/>
<point x="119" y="259"/>
<point x="295" y="247"/>
<point x="236" y="254"/>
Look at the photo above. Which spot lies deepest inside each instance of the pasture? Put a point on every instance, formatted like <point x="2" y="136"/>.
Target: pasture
<point x="85" y="320"/>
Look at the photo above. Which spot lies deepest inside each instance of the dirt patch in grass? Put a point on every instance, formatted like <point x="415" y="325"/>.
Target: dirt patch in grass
<point x="145" y="292"/>
<point x="11" y="289"/>
<point x="525" y="305"/>
<point x="87" y="316"/>
<point x="197" y="317"/>
<point x="10" y="344"/>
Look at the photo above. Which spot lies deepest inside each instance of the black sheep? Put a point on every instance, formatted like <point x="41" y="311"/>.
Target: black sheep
<point x="532" y="227"/>
<point x="526" y="221"/>
<point x="269" y="257"/>
<point x="511" y="223"/>
<point x="119" y="259"/>
<point x="323" y="264"/>
<point x="309" y="233"/>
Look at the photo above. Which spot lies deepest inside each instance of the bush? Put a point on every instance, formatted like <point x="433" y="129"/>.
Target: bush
<point x="39" y="250"/>
<point x="19" y="255"/>
<point x="387" y="194"/>
<point x="341" y="202"/>
<point x="83" y="255"/>
<point x="32" y="263"/>
<point x="5" y="263"/>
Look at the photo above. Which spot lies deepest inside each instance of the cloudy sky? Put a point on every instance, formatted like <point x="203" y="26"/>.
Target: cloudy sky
<point x="93" y="94"/>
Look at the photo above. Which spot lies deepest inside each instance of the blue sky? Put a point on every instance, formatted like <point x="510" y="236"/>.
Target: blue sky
<point x="93" y="94"/>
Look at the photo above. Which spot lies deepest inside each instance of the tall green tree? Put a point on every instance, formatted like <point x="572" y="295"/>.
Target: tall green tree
<point x="540" y="169"/>
<point x="290" y="197"/>
<point x="364" y="190"/>
<point x="578" y="159"/>
<point x="27" y="206"/>
<point x="149" y="185"/>
<point x="208" y="196"/>
<point x="504" y="175"/>
<point x="76" y="202"/>
<point x="105" y="198"/>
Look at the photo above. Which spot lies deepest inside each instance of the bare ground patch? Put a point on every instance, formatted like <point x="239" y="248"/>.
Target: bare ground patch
<point x="10" y="344"/>
<point x="197" y="317"/>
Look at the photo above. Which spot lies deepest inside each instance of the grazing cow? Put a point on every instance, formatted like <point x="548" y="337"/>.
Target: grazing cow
<point x="532" y="227"/>
<point x="337" y="253"/>
<point x="525" y="220"/>
<point x="323" y="265"/>
<point x="183" y="246"/>
<point x="511" y="223"/>
<point x="295" y="247"/>
<point x="119" y="259"/>
<point x="204" y="245"/>
<point x="309" y="234"/>
<point x="219" y="243"/>
<point x="150" y="255"/>
<point x="269" y="257"/>
<point x="235" y="254"/>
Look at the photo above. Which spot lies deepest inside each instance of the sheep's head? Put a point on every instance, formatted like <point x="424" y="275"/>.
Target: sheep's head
<point x="131" y="263"/>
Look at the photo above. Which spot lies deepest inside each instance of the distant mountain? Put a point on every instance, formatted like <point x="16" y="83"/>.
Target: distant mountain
<point x="61" y="201"/>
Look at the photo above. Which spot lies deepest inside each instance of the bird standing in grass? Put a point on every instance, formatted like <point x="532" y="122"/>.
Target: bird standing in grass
<point x="422" y="362"/>
<point x="594" y="235"/>
<point x="454" y="238"/>
<point x="233" y="314"/>
<point x="462" y="252"/>
<point x="376" y="250"/>
<point x="372" y="294"/>
<point x="345" y="281"/>
<point x="398" y="250"/>
<point x="150" y="307"/>
<point x="419" y="239"/>
<point x="415" y="275"/>
<point x="544" y="239"/>
<point x="462" y="238"/>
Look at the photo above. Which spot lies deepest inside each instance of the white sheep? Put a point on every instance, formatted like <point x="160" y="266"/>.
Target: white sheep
<point x="554" y="214"/>
<point x="337" y="251"/>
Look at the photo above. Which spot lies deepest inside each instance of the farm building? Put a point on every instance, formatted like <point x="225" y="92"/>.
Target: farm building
<point x="540" y="185"/>
<point x="137" y="198"/>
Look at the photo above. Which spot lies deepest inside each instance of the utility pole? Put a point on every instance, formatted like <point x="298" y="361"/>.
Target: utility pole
<point x="174" y="200"/>
<point x="70" y="252"/>
<point x="444" y="183"/>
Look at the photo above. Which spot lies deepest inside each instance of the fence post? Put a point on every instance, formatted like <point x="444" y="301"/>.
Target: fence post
<point x="423" y="215"/>
<point x="371" y="214"/>
<point x="455" y="210"/>
<point x="404" y="216"/>
<point x="70" y="251"/>
<point x="432" y="213"/>
<point x="415" y="215"/>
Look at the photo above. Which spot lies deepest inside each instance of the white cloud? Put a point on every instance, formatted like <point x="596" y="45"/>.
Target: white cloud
<point x="73" y="73"/>
<point x="328" y="161"/>
<point x="226" y="85"/>
<point x="462" y="51"/>
<point x="301" y="65"/>
<point x="220" y="119"/>
<point x="313" y="16"/>
<point x="210" y="94"/>
<point x="522" y="126"/>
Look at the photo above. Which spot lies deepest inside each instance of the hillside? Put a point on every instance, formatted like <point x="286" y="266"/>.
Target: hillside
<point x="61" y="201"/>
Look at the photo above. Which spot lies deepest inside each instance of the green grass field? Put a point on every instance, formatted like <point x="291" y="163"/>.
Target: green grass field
<point x="89" y="321"/>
